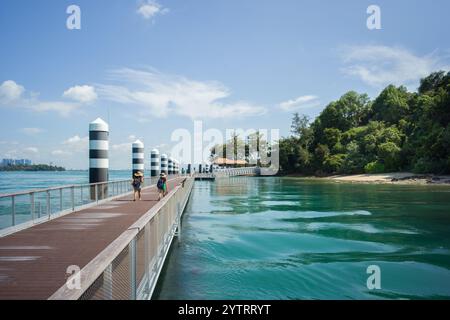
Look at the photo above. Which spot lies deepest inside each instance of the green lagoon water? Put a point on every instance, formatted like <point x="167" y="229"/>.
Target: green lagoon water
<point x="288" y="238"/>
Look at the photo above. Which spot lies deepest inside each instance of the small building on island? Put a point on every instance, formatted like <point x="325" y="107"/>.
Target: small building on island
<point x="228" y="163"/>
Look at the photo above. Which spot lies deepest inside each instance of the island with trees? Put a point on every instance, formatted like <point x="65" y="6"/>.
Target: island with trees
<point x="32" y="167"/>
<point x="397" y="131"/>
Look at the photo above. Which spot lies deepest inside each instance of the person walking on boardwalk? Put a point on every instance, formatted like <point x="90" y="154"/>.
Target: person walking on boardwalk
<point x="162" y="186"/>
<point x="138" y="180"/>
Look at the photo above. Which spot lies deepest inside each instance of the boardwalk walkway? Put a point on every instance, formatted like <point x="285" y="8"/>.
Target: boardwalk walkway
<point x="34" y="261"/>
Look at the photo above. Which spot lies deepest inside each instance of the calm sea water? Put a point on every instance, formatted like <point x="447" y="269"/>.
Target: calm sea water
<point x="20" y="181"/>
<point x="287" y="238"/>
<point x="11" y="182"/>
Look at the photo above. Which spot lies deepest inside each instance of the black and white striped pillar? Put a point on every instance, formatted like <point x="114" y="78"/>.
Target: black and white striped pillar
<point x="155" y="163"/>
<point x="138" y="156"/>
<point x="170" y="166"/>
<point x="207" y="168"/>
<point x="98" y="156"/>
<point x="164" y="164"/>
<point x="175" y="166"/>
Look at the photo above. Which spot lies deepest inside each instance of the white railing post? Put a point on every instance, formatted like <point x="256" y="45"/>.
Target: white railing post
<point x="72" y="194"/>
<point x="32" y="206"/>
<point x="132" y="253"/>
<point x="60" y="200"/>
<point x="13" y="210"/>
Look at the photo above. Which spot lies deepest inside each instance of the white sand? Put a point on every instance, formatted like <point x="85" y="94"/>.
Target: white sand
<point x="399" y="178"/>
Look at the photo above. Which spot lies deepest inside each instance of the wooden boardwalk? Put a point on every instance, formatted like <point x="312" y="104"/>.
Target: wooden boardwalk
<point x="34" y="261"/>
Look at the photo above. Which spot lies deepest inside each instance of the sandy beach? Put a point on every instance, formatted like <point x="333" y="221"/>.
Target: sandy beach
<point x="393" y="178"/>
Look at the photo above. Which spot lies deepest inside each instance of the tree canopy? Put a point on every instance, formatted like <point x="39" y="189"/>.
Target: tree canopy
<point x="398" y="130"/>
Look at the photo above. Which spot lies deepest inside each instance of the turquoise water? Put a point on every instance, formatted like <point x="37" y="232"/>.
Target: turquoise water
<point x="287" y="238"/>
<point x="11" y="182"/>
<point x="21" y="181"/>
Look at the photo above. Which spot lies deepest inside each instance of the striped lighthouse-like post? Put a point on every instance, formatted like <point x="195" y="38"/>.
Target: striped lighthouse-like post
<point x="98" y="157"/>
<point x="164" y="164"/>
<point x="170" y="166"/>
<point x="138" y="157"/>
<point x="175" y="166"/>
<point x="155" y="163"/>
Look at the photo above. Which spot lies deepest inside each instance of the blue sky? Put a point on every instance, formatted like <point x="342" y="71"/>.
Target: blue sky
<point x="151" y="67"/>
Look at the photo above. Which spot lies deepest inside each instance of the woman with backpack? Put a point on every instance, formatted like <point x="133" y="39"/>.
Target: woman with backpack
<point x="162" y="186"/>
<point x="138" y="180"/>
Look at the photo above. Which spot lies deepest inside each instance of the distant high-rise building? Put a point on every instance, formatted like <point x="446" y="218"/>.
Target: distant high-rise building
<point x="7" y="162"/>
<point x="16" y="162"/>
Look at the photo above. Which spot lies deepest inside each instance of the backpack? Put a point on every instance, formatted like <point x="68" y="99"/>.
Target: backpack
<point x="160" y="184"/>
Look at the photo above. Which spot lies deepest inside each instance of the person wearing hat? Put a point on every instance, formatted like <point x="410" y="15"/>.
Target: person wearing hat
<point x="138" y="180"/>
<point x="162" y="186"/>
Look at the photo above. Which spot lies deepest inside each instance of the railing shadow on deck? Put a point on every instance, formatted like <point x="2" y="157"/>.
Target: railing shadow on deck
<point x="129" y="267"/>
<point x="21" y="210"/>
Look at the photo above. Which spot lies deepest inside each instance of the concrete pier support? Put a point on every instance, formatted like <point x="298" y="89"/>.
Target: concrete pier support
<point x="164" y="164"/>
<point x="175" y="167"/>
<point x="155" y="167"/>
<point x="170" y="166"/>
<point x="98" y="157"/>
<point x="138" y="156"/>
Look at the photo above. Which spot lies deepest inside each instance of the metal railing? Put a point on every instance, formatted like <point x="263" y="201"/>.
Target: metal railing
<point x="23" y="209"/>
<point x="129" y="267"/>
<point x="232" y="172"/>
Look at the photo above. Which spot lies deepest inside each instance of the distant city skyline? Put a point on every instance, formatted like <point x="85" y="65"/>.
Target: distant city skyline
<point x="16" y="162"/>
<point x="151" y="67"/>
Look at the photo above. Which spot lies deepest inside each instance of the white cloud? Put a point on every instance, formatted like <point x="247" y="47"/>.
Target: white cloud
<point x="13" y="94"/>
<point x="379" y="66"/>
<point x="125" y="147"/>
<point x="300" y="103"/>
<point x="11" y="153"/>
<point x="32" y="131"/>
<point x="63" y="108"/>
<point x="77" y="144"/>
<point x="31" y="150"/>
<point x="83" y="94"/>
<point x="160" y="95"/>
<point x="60" y="153"/>
<point x="5" y="142"/>
<point x="10" y="91"/>
<point x="150" y="9"/>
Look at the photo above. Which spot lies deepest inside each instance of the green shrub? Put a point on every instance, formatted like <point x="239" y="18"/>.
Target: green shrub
<point x="334" y="163"/>
<point x="374" y="167"/>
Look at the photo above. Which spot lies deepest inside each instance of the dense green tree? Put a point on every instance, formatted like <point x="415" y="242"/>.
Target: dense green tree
<point x="391" y="105"/>
<point x="399" y="130"/>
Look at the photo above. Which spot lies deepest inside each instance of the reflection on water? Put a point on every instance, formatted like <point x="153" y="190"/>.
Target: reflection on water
<point x="285" y="238"/>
